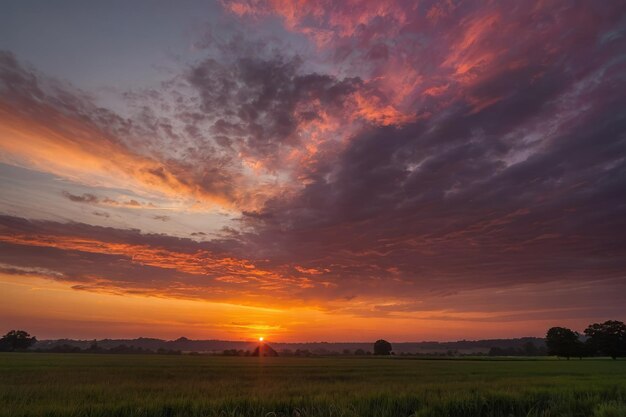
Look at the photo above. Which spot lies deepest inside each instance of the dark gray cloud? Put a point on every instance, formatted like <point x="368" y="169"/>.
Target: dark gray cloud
<point x="89" y="198"/>
<point x="84" y="198"/>
<point x="258" y="103"/>
<point x="524" y="190"/>
<point x="136" y="147"/>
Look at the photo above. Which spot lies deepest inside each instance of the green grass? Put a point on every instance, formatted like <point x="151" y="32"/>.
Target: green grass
<point x="129" y="385"/>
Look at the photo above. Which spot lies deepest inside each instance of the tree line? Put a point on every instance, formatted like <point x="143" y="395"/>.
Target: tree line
<point x="19" y="340"/>
<point x="608" y="338"/>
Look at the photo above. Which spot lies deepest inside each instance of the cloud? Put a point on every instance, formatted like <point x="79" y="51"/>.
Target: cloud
<point x="325" y="21"/>
<point x="48" y="126"/>
<point x="279" y="115"/>
<point x="84" y="198"/>
<point x="89" y="198"/>
<point x="126" y="261"/>
<point x="444" y="159"/>
<point x="502" y="181"/>
<point x="404" y="50"/>
<point x="115" y="261"/>
<point x="241" y="126"/>
<point x="101" y="214"/>
<point x="264" y="104"/>
<point x="24" y="270"/>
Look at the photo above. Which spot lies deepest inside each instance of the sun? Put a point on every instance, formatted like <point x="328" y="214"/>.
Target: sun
<point x="261" y="339"/>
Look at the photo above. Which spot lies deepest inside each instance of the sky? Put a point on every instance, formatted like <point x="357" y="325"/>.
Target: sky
<point x="312" y="170"/>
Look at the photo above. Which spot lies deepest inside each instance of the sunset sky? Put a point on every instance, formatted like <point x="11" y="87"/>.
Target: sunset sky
<point x="311" y="170"/>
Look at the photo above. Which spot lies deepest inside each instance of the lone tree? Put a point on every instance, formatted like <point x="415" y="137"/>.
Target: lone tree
<point x="16" y="340"/>
<point x="608" y="338"/>
<point x="382" y="347"/>
<point x="563" y="342"/>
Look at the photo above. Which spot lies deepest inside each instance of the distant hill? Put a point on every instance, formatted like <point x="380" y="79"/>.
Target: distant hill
<point x="188" y="345"/>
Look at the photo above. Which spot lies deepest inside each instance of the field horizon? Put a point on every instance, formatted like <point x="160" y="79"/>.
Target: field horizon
<point x="186" y="344"/>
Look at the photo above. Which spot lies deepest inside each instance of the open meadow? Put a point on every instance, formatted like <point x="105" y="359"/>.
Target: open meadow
<point x="156" y="385"/>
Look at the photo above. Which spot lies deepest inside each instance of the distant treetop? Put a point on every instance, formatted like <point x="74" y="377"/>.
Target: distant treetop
<point x="16" y="340"/>
<point x="382" y="347"/>
<point x="608" y="338"/>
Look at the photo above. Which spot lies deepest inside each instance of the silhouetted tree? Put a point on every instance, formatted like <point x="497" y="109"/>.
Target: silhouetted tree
<point x="359" y="352"/>
<point x="382" y="347"/>
<point x="16" y="340"/>
<point x="608" y="338"/>
<point x="563" y="342"/>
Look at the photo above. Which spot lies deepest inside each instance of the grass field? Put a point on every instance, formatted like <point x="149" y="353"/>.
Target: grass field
<point x="130" y="385"/>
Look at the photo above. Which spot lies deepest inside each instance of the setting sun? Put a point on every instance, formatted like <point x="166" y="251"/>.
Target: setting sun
<point x="260" y="339"/>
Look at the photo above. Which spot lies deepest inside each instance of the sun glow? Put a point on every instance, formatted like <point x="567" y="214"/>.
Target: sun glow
<point x="260" y="339"/>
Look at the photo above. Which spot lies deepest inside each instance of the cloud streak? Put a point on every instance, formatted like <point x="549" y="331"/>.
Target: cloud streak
<point x="55" y="130"/>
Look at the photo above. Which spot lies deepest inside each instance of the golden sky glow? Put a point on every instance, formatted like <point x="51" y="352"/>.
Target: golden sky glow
<point x="29" y="298"/>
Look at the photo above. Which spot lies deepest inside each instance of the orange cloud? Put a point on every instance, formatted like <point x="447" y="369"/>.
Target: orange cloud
<point x="311" y="271"/>
<point x="374" y="110"/>
<point x="326" y="22"/>
<point x="320" y="20"/>
<point x="221" y="269"/>
<point x="70" y="148"/>
<point x="197" y="263"/>
<point x="469" y="52"/>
